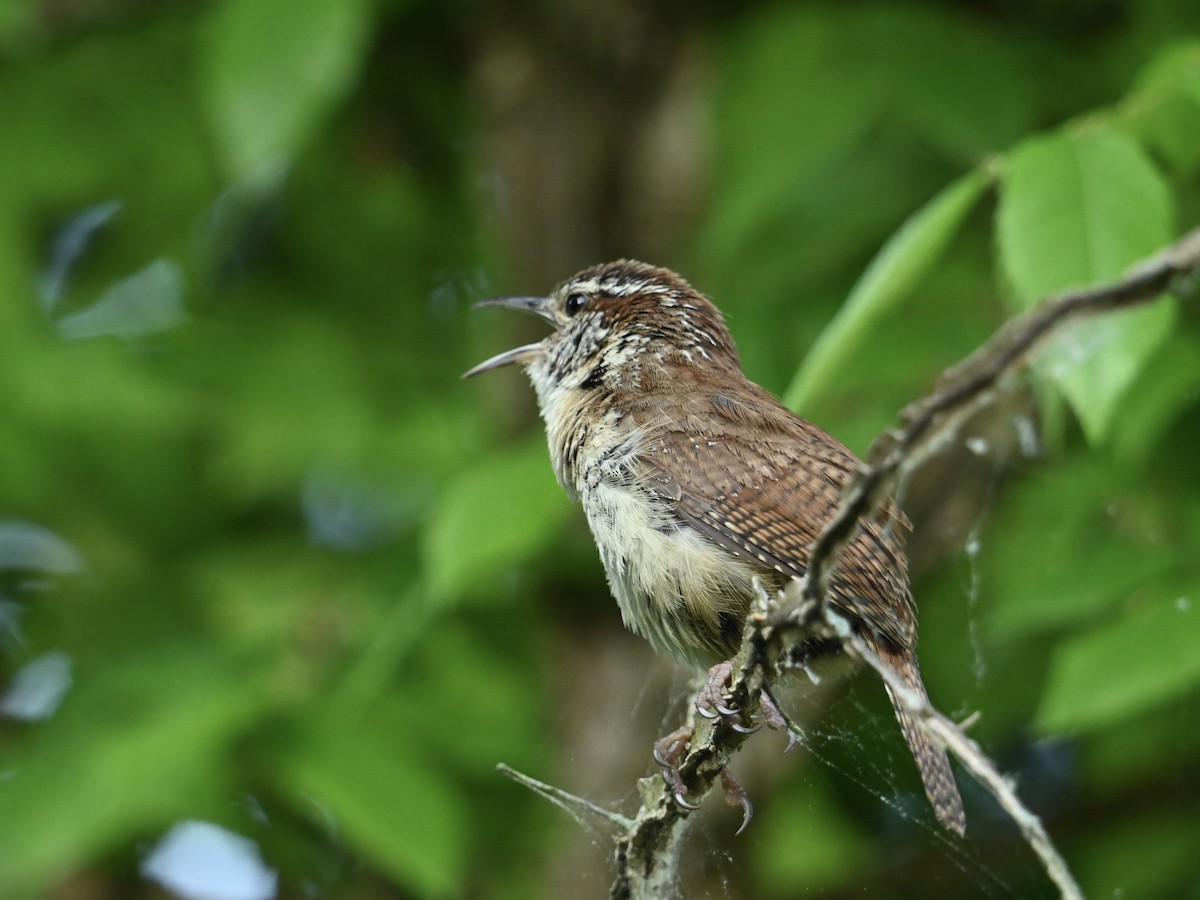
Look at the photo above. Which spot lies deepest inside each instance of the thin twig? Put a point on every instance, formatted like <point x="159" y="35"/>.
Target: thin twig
<point x="578" y="807"/>
<point x="966" y="384"/>
<point x="951" y="736"/>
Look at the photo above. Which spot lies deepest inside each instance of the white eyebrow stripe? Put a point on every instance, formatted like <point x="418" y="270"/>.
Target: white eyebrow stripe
<point x="624" y="287"/>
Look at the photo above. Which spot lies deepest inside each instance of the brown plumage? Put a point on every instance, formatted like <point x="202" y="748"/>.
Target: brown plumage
<point x="695" y="480"/>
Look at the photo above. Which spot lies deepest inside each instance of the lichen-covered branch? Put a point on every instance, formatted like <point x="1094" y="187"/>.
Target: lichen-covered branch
<point x="648" y="851"/>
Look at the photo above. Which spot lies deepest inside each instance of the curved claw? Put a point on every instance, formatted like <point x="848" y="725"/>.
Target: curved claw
<point x="661" y="754"/>
<point x="683" y="802"/>
<point x="777" y="721"/>
<point x="669" y="748"/>
<point x="736" y="794"/>
<point x="707" y="711"/>
<point x="745" y="729"/>
<point x="747" y="814"/>
<point x="728" y="712"/>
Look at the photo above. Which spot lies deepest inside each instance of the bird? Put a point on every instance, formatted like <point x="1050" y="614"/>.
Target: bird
<point x="698" y="484"/>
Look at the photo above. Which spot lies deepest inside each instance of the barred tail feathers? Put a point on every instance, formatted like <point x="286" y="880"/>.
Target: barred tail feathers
<point x="931" y="759"/>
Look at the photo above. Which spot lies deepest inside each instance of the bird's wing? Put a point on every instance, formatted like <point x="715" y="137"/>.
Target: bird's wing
<point x="761" y="482"/>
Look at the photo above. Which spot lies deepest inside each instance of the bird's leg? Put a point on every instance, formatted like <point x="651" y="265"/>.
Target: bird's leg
<point x="710" y="703"/>
<point x="668" y="751"/>
<point x="776" y="720"/>
<point x="735" y="795"/>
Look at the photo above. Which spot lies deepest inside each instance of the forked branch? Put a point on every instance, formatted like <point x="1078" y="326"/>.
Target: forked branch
<point x="962" y="387"/>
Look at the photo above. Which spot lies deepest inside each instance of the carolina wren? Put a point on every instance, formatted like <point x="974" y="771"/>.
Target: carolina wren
<point x="694" y="480"/>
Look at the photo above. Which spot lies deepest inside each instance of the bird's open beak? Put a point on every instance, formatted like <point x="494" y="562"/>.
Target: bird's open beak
<point x="538" y="305"/>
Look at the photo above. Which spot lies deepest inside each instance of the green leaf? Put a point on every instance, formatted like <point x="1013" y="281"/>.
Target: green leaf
<point x="392" y="806"/>
<point x="277" y="432"/>
<point x="1124" y="667"/>
<point x="916" y="45"/>
<point x="1077" y="210"/>
<point x="1094" y="546"/>
<point x="32" y="547"/>
<point x="1164" y="109"/>
<point x="1114" y="760"/>
<point x="809" y="843"/>
<point x="1166" y="386"/>
<point x="147" y="302"/>
<point x="892" y="276"/>
<point x="132" y="747"/>
<point x="498" y="512"/>
<point x="490" y="687"/>
<point x="775" y="145"/>
<point x="272" y="69"/>
<point x="1140" y="855"/>
<point x="21" y="24"/>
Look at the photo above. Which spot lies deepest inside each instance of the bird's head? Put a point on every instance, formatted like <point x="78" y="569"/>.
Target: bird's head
<point x="616" y="325"/>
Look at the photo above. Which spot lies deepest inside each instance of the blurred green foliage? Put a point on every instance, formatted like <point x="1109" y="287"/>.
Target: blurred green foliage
<point x="307" y="581"/>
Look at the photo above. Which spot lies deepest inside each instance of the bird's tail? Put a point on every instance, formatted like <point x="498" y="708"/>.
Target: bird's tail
<point x="930" y="758"/>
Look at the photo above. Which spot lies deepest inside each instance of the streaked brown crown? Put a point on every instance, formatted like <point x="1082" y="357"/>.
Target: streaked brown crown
<point x="626" y="314"/>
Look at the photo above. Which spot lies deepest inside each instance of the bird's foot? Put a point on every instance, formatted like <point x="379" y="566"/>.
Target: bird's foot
<point x="668" y="751"/>
<point x="777" y="721"/>
<point x="710" y="703"/>
<point x="735" y="795"/>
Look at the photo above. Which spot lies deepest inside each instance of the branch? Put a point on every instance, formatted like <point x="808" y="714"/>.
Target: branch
<point x="577" y="807"/>
<point x="648" y="851"/>
<point x="961" y="388"/>
<point x="953" y="738"/>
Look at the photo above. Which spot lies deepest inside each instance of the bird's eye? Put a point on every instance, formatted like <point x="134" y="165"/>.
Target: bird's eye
<point x="575" y="302"/>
